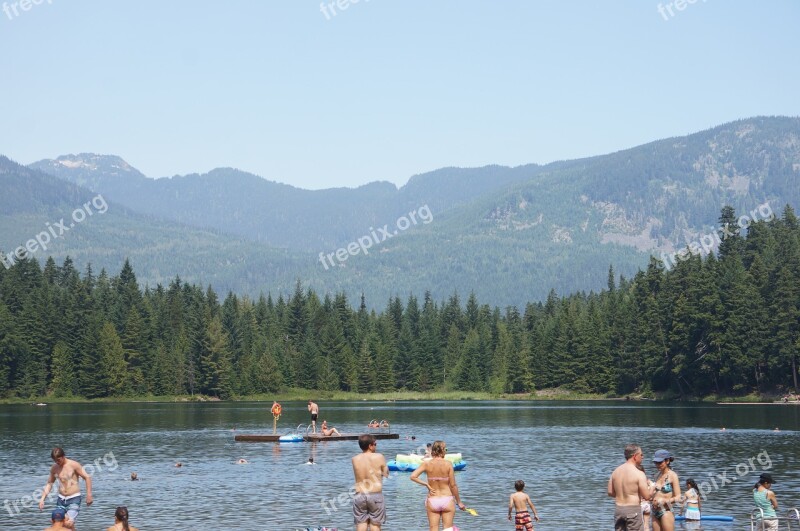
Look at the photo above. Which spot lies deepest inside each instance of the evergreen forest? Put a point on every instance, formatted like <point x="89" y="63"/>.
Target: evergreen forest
<point x="724" y="324"/>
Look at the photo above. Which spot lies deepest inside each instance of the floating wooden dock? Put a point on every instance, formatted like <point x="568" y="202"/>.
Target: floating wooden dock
<point x="315" y="437"/>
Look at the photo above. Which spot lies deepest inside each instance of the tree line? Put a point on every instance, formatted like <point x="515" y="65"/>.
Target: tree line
<point x="726" y="323"/>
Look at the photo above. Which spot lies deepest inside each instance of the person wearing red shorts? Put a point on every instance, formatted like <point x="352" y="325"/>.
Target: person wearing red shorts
<point x="520" y="501"/>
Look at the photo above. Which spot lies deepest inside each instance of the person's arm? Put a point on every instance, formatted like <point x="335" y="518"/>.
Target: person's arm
<point x="611" y="487"/>
<point x="50" y="480"/>
<point x="699" y="504"/>
<point x="676" y="489"/>
<point x="772" y="499"/>
<point x="454" y="487"/>
<point x="644" y="491"/>
<point x="415" y="477"/>
<point x="530" y="502"/>
<point x="88" y="479"/>
<point x="384" y="468"/>
<point x="510" y="506"/>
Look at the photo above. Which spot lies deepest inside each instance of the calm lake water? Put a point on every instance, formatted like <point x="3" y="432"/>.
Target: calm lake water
<point x="564" y="451"/>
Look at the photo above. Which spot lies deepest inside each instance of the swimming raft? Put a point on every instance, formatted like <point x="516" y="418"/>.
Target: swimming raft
<point x="410" y="462"/>
<point x="708" y="518"/>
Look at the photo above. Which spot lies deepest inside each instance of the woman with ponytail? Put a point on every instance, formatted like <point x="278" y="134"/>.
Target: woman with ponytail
<point x="121" y="521"/>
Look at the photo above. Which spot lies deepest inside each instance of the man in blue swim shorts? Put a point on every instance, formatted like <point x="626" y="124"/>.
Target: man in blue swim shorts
<point x="68" y="473"/>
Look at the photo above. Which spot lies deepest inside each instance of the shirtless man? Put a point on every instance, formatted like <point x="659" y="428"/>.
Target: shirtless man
<point x="68" y="473"/>
<point x="628" y="486"/>
<point x="313" y="408"/>
<point x="369" y="469"/>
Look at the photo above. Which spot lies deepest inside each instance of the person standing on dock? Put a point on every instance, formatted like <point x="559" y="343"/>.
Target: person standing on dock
<point x="313" y="408"/>
<point x="369" y="469"/>
<point x="628" y="486"/>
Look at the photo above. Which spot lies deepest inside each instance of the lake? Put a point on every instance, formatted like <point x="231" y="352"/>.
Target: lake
<point x="564" y="451"/>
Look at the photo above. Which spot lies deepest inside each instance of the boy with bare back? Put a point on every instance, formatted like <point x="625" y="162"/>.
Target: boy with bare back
<point x="68" y="473"/>
<point x="520" y="501"/>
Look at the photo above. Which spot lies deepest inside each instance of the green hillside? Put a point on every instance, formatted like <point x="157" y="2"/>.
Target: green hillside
<point x="509" y="235"/>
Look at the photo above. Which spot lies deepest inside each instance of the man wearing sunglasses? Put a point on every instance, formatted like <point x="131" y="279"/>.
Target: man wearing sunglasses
<point x="369" y="469"/>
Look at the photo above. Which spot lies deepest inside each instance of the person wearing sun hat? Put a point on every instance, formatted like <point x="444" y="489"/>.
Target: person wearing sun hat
<point x="57" y="519"/>
<point x="668" y="491"/>
<point x="765" y="500"/>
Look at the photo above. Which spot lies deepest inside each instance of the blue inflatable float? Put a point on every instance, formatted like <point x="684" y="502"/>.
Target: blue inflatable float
<point x="291" y="438"/>
<point x="410" y="467"/>
<point x="708" y="518"/>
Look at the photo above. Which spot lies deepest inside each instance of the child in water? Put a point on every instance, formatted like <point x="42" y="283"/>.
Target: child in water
<point x="520" y="501"/>
<point x="691" y="506"/>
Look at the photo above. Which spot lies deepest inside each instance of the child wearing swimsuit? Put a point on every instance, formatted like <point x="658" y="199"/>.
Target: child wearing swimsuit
<point x="692" y="508"/>
<point x="520" y="502"/>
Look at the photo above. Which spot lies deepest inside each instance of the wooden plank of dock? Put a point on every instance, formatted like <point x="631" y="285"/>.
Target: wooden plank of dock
<point x="256" y="438"/>
<point x="314" y="437"/>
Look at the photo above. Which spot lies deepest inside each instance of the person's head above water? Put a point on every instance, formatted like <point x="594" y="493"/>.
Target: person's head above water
<point x="58" y="515"/>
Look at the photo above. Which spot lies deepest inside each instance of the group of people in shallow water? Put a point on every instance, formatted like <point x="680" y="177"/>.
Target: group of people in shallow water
<point x="640" y="502"/>
<point x="443" y="497"/>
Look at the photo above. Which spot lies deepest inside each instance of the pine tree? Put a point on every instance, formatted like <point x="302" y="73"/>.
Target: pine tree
<point x="112" y="359"/>
<point x="63" y="382"/>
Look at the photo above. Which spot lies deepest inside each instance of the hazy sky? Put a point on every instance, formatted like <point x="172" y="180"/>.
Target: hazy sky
<point x="384" y="89"/>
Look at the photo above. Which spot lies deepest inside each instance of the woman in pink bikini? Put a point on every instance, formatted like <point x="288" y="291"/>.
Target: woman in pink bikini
<point x="442" y="490"/>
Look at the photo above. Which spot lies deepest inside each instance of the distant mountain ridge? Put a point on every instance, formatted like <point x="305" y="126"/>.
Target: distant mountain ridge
<point x="508" y="234"/>
<point x="254" y="208"/>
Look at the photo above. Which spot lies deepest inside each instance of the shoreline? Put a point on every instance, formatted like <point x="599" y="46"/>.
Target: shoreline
<point x="554" y="395"/>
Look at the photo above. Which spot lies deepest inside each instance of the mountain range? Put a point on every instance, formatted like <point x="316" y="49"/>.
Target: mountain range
<point x="510" y="235"/>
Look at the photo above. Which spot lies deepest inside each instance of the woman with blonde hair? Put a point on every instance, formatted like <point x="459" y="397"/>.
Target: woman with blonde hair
<point x="442" y="489"/>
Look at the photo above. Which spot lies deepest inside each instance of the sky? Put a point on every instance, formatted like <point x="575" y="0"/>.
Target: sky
<point x="321" y="95"/>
